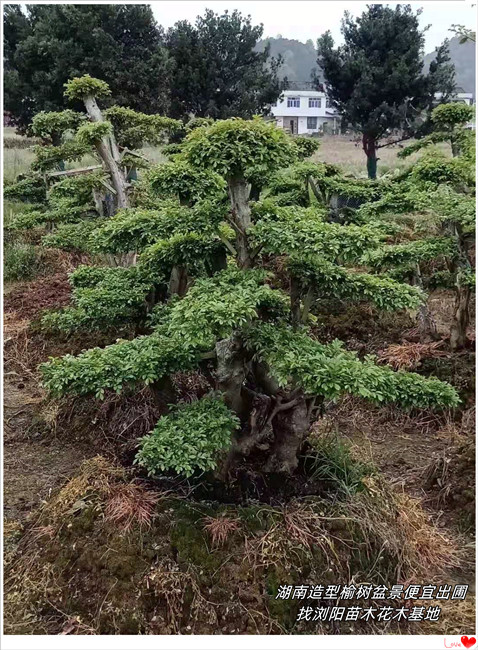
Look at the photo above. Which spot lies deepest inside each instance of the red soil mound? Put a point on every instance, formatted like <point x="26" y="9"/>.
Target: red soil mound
<point x="29" y="300"/>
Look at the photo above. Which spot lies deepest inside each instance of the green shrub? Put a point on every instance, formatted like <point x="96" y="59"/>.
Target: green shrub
<point x="331" y="461"/>
<point x="92" y="132"/>
<point x="189" y="438"/>
<point x="305" y="146"/>
<point x="20" y="262"/>
<point x="85" y="86"/>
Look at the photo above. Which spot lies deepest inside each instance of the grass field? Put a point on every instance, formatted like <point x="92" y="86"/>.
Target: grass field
<point x="341" y="150"/>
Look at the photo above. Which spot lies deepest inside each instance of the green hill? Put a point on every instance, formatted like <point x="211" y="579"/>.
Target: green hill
<point x="463" y="58"/>
<point x="300" y="60"/>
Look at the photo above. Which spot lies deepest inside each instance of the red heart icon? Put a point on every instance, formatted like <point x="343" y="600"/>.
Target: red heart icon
<point x="468" y="641"/>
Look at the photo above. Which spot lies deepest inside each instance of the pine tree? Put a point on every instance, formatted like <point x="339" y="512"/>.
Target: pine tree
<point x="202" y="294"/>
<point x="217" y="71"/>
<point x="375" y="79"/>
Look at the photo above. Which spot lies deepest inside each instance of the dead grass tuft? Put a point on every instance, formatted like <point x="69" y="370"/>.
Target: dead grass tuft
<point x="352" y="413"/>
<point x="178" y="590"/>
<point x="398" y="523"/>
<point x="294" y="536"/>
<point x="409" y="355"/>
<point x="306" y="527"/>
<point x="21" y="354"/>
<point x="96" y="478"/>
<point x="129" y="505"/>
<point x="220" y="528"/>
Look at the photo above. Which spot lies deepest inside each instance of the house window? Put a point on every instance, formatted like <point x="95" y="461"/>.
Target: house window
<point x="315" y="102"/>
<point x="311" y="122"/>
<point x="293" y="102"/>
<point x="328" y="103"/>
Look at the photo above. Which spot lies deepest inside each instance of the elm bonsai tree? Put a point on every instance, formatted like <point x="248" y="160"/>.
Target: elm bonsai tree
<point x="436" y="198"/>
<point x="268" y="372"/>
<point x="99" y="132"/>
<point x="76" y="199"/>
<point x="449" y="122"/>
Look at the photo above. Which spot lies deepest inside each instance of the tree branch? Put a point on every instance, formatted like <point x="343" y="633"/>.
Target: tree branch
<point x="388" y="144"/>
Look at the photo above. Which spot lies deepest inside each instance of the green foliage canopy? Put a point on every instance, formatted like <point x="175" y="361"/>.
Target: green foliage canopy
<point x="239" y="148"/>
<point x="117" y="42"/>
<point x="217" y="71"/>
<point x="189" y="438"/>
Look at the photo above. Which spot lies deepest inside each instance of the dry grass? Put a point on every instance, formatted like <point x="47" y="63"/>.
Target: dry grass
<point x="388" y="534"/>
<point x="96" y="480"/>
<point x="174" y="587"/>
<point x="129" y="505"/>
<point x="409" y="355"/>
<point x="15" y="162"/>
<point x="21" y="355"/>
<point x="220" y="528"/>
<point x="404" y="531"/>
<point x="385" y="536"/>
<point x="353" y="414"/>
<point x="341" y="150"/>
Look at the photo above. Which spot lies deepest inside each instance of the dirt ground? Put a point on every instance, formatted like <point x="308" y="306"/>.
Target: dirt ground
<point x="32" y="467"/>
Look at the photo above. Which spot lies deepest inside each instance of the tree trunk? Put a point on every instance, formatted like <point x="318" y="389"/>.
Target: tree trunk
<point x="290" y="428"/>
<point x="369" y="145"/>
<point x="310" y="186"/>
<point x="56" y="141"/>
<point x="110" y="155"/>
<point x="98" y="198"/>
<point x="461" y="318"/>
<point x="455" y="147"/>
<point x="178" y="281"/>
<point x="118" y="179"/>
<point x="231" y="372"/>
<point x="255" y="193"/>
<point x="295" y="293"/>
<point x="239" y="192"/>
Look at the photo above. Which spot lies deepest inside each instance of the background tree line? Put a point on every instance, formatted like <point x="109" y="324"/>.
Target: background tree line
<point x="208" y="69"/>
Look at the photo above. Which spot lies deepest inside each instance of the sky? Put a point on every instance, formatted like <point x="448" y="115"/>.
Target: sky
<point x="303" y="20"/>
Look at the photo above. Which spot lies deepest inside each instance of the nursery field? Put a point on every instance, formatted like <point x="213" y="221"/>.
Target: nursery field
<point x="341" y="150"/>
<point x="232" y="364"/>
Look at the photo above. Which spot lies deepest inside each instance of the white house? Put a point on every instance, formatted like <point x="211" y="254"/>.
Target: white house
<point x="305" y="112"/>
<point x="461" y="98"/>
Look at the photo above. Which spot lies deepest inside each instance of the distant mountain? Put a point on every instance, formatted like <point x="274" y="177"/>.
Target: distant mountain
<point x="300" y="59"/>
<point x="463" y="58"/>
